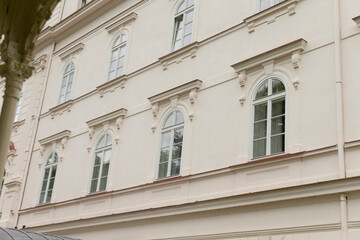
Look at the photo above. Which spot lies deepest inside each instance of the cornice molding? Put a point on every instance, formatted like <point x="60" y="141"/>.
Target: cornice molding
<point x="128" y="19"/>
<point x="55" y="137"/>
<point x="17" y="124"/>
<point x="61" y="108"/>
<point x="120" y="113"/>
<point x="112" y="85"/>
<point x="285" y="7"/>
<point x="179" y="55"/>
<point x="13" y="184"/>
<point x="292" y="49"/>
<point x="65" y="53"/>
<point x="176" y="91"/>
<point x="357" y="20"/>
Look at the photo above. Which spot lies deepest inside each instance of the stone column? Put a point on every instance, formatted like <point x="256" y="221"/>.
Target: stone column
<point x="15" y="74"/>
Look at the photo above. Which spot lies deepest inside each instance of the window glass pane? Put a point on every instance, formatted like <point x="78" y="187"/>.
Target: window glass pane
<point x="178" y="135"/>
<point x="278" y="125"/>
<point x="260" y="129"/>
<point x="53" y="172"/>
<point x="112" y="75"/>
<point x="164" y="155"/>
<point x="96" y="172"/>
<point x="190" y="3"/>
<point x="188" y="29"/>
<point x="169" y="121"/>
<point x="259" y="148"/>
<point x="117" y="42"/>
<point x="179" y="117"/>
<point x="56" y="157"/>
<point x="176" y="152"/>
<point x="264" y="4"/>
<point x="262" y="90"/>
<point x="122" y="51"/>
<point x="278" y="144"/>
<point x="44" y="184"/>
<point x="93" y="185"/>
<point x="46" y="175"/>
<point x="123" y="38"/>
<point x="101" y="142"/>
<point x="51" y="183"/>
<point x="165" y="142"/>
<point x="42" y="196"/>
<point x="119" y="71"/>
<point x="121" y="62"/>
<point x="48" y="197"/>
<point x="163" y="170"/>
<point x="115" y="54"/>
<point x="189" y="17"/>
<point x="277" y="86"/>
<point x="181" y="7"/>
<point x="278" y="107"/>
<point x="102" y="186"/>
<point x="108" y="140"/>
<point x="177" y="45"/>
<point x="187" y="40"/>
<point x="105" y="170"/>
<point x="175" y="167"/>
<point x="260" y="112"/>
<point x="107" y="156"/>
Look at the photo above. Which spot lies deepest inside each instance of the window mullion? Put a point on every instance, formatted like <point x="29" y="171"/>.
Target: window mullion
<point x="170" y="152"/>
<point x="47" y="184"/>
<point x="183" y="29"/>
<point x="268" y="128"/>
<point x="100" y="169"/>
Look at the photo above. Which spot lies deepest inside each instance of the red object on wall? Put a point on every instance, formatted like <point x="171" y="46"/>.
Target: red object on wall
<point x="11" y="146"/>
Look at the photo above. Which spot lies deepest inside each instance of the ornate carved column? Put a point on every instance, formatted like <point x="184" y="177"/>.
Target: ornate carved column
<point x="15" y="74"/>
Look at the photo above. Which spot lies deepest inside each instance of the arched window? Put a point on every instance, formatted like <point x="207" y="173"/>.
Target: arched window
<point x="264" y="4"/>
<point x="101" y="164"/>
<point x="49" y="178"/>
<point x="117" y="57"/>
<point x="171" y="144"/>
<point x="67" y="81"/>
<point x="269" y="118"/>
<point x="183" y="28"/>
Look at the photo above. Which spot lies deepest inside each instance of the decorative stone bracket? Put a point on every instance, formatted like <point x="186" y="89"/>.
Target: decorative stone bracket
<point x="105" y="121"/>
<point x="357" y="20"/>
<point x="58" y="138"/>
<point x="39" y="63"/>
<point x="112" y="85"/>
<point x="187" y="90"/>
<point x="10" y="156"/>
<point x="269" y="15"/>
<point x="178" y="56"/>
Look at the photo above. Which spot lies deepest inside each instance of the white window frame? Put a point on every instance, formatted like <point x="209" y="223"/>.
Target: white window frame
<point x="182" y="14"/>
<point x="51" y="167"/>
<point x="272" y="3"/>
<point x="67" y="75"/>
<point x="101" y="150"/>
<point x="84" y="2"/>
<point x="114" y="48"/>
<point x="268" y="100"/>
<point x="172" y="128"/>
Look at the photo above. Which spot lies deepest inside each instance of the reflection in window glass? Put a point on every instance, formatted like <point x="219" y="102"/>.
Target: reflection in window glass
<point x="49" y="178"/>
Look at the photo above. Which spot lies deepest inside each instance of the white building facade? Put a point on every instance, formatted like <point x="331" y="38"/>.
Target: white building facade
<point x="190" y="119"/>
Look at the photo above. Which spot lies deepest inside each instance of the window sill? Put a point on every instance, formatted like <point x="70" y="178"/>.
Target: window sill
<point x="166" y="179"/>
<point x="270" y="14"/>
<point x="97" y="193"/>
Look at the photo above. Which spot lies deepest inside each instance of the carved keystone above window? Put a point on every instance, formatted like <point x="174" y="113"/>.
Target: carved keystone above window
<point x="269" y="15"/>
<point x="112" y="85"/>
<point x="60" y="109"/>
<point x="267" y="60"/>
<point x="105" y="121"/>
<point x="39" y="63"/>
<point x="60" y="137"/>
<point x="357" y="20"/>
<point x="128" y="19"/>
<point x="68" y="52"/>
<point x="179" y="55"/>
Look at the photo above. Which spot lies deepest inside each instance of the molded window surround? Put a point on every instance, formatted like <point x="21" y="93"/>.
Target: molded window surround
<point x="67" y="81"/>
<point x="269" y="118"/>
<point x="264" y="4"/>
<point x="101" y="164"/>
<point x="49" y="178"/>
<point x="183" y="24"/>
<point x="117" y="57"/>
<point x="172" y="133"/>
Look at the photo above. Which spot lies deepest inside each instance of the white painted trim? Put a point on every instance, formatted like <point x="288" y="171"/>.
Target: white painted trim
<point x="65" y="53"/>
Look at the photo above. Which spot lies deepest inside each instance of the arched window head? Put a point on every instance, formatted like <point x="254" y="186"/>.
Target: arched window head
<point x="101" y="164"/>
<point x="264" y="4"/>
<point x="49" y="178"/>
<point x="183" y="28"/>
<point x="67" y="81"/>
<point x="269" y="118"/>
<point x="172" y="133"/>
<point x="117" y="57"/>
